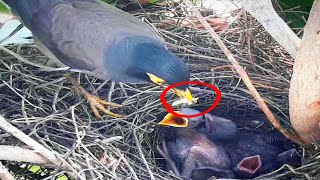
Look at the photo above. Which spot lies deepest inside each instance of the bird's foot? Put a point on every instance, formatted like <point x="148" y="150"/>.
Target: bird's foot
<point x="98" y="104"/>
<point x="95" y="102"/>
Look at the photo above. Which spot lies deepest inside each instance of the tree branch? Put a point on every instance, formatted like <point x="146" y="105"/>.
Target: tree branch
<point x="58" y="161"/>
<point x="264" y="12"/>
<point x="4" y="173"/>
<point x="21" y="154"/>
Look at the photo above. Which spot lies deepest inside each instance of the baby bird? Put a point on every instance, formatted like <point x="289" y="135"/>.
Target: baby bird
<point x="213" y="146"/>
<point x="194" y="153"/>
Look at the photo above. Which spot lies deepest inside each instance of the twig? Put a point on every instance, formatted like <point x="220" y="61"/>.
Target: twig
<point x="285" y="166"/>
<point x="21" y="96"/>
<point x="79" y="141"/>
<point x="244" y="76"/>
<point x="142" y="156"/>
<point x="21" y="154"/>
<point x="264" y="12"/>
<point x="12" y="33"/>
<point x="55" y="130"/>
<point x="41" y="67"/>
<point x="129" y="167"/>
<point x="54" y="158"/>
<point x="4" y="173"/>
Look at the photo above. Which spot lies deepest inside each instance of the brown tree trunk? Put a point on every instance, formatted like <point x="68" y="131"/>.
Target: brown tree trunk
<point x="304" y="95"/>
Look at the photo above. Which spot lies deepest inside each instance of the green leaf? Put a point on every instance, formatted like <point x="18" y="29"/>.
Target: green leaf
<point x="3" y="9"/>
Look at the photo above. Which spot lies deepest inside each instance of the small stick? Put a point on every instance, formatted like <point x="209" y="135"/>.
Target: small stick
<point x="142" y="156"/>
<point x="54" y="158"/>
<point x="41" y="67"/>
<point x="12" y="33"/>
<point x="264" y="12"/>
<point x="22" y="154"/>
<point x="4" y="173"/>
<point x="135" y="177"/>
<point x="244" y="76"/>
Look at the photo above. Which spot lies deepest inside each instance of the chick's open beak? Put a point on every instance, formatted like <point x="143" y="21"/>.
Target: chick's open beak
<point x="174" y="121"/>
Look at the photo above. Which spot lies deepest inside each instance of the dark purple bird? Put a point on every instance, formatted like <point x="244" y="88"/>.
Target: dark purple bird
<point x="94" y="37"/>
<point x="191" y="150"/>
<point x="213" y="146"/>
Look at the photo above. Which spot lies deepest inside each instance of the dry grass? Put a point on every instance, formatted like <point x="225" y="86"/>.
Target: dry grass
<point x="44" y="105"/>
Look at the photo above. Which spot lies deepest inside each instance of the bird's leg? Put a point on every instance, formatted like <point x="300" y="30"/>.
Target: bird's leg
<point x="95" y="102"/>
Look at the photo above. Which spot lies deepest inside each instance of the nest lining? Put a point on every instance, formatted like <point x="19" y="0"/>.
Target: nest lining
<point x="46" y="107"/>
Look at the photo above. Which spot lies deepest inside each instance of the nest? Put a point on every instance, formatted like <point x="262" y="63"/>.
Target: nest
<point x="44" y="105"/>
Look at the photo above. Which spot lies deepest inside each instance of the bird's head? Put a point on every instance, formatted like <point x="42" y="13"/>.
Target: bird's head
<point x="213" y="126"/>
<point x="177" y="121"/>
<point x="152" y="62"/>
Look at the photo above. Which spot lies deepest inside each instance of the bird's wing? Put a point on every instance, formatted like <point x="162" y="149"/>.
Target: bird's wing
<point x="78" y="32"/>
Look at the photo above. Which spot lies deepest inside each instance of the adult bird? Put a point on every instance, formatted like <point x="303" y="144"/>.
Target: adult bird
<point x="99" y="39"/>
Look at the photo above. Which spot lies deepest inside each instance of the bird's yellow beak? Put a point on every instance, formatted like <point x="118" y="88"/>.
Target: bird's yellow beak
<point x="174" y="121"/>
<point x="185" y="95"/>
<point x="155" y="79"/>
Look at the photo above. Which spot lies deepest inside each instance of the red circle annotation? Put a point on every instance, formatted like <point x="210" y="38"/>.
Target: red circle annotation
<point x="172" y="111"/>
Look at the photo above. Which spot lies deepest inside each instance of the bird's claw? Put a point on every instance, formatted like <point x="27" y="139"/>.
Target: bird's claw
<point x="95" y="102"/>
<point x="98" y="104"/>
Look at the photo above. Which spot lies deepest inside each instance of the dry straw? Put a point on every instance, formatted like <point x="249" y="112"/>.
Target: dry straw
<point x="43" y="105"/>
